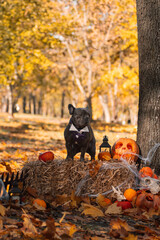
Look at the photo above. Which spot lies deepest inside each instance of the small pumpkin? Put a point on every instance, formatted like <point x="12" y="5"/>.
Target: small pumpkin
<point x="39" y="203"/>
<point x="146" y="172"/>
<point x="146" y="200"/>
<point x="124" y="204"/>
<point x="123" y="147"/>
<point x="155" y="176"/>
<point x="104" y="156"/>
<point x="46" y="156"/>
<point x="130" y="194"/>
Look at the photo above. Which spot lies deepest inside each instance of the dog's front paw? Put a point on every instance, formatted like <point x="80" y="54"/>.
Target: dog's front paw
<point x="69" y="159"/>
<point x="82" y="159"/>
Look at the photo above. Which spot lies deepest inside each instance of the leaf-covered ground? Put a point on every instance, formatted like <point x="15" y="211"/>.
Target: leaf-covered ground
<point x="67" y="217"/>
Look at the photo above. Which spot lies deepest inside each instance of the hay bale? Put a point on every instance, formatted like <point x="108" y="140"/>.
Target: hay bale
<point x="62" y="177"/>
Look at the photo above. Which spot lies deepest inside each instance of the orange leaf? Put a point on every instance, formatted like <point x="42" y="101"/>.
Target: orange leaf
<point x="119" y="228"/>
<point x="102" y="201"/>
<point x="72" y="230"/>
<point x="118" y="224"/>
<point x="2" y="168"/>
<point x="2" y="210"/>
<point x="28" y="228"/>
<point x="94" y="167"/>
<point x="131" y="237"/>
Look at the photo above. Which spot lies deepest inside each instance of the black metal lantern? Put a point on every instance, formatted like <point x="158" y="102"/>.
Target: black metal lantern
<point x="105" y="144"/>
<point x="15" y="193"/>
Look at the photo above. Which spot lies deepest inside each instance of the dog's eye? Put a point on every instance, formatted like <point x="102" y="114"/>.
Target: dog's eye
<point x="77" y="117"/>
<point x="87" y="117"/>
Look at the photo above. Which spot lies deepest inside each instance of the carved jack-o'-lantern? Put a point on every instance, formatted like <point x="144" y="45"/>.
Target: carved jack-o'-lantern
<point x="123" y="147"/>
<point x="146" y="200"/>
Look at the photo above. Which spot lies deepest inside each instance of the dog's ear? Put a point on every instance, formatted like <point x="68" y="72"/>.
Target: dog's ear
<point x="71" y="109"/>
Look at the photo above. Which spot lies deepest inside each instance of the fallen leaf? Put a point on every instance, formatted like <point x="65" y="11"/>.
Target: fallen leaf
<point x="131" y="237"/>
<point x="10" y="226"/>
<point x="62" y="199"/>
<point x="10" y="220"/>
<point x="28" y="228"/>
<point x="8" y="167"/>
<point x="119" y="228"/>
<point x="150" y="213"/>
<point x="1" y="223"/>
<point x="25" y="158"/>
<point x="6" y="155"/>
<point x="2" y="210"/>
<point x="113" y="209"/>
<point x="101" y="200"/>
<point x="72" y="230"/>
<point x="14" y="164"/>
<point x="92" y="211"/>
<point x="66" y="230"/>
<point x="118" y="224"/>
<point x="86" y="199"/>
<point x="94" y="167"/>
<point x="2" y="168"/>
<point x="154" y="233"/>
<point x="50" y="231"/>
<point x="74" y="200"/>
<point x="32" y="192"/>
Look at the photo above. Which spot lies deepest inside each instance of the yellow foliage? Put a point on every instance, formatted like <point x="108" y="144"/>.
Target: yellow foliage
<point x="2" y="168"/>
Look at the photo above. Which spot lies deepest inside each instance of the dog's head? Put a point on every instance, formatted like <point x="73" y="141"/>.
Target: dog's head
<point x="80" y="116"/>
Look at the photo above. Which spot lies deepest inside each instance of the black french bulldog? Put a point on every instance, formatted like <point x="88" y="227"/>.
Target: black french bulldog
<point x="78" y="134"/>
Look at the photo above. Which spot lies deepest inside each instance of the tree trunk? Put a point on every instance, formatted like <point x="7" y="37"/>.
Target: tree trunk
<point x="30" y="103"/>
<point x="9" y="94"/>
<point x="112" y="102"/>
<point x="149" y="72"/>
<point x="40" y="106"/>
<point x="34" y="104"/>
<point x="104" y="103"/>
<point x="4" y="104"/>
<point x="24" y="104"/>
<point x="89" y="105"/>
<point x="115" y="100"/>
<point x="62" y="104"/>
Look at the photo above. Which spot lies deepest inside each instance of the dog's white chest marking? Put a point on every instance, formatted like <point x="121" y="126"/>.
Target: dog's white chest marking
<point x="74" y="129"/>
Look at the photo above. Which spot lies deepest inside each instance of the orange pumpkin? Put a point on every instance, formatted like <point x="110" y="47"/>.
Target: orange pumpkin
<point x="46" y="156"/>
<point x="39" y="203"/>
<point x="146" y="200"/>
<point x="155" y="176"/>
<point x="146" y="172"/>
<point x="130" y="194"/>
<point x="122" y="149"/>
<point x="104" y="156"/>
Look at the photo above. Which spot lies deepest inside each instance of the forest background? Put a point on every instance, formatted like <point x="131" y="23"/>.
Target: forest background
<point x="59" y="52"/>
<point x="82" y="52"/>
